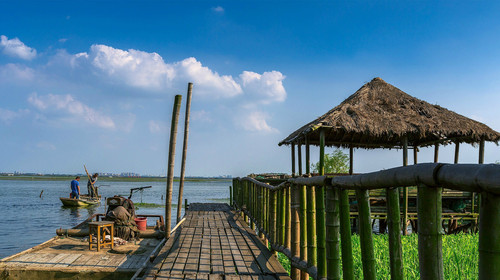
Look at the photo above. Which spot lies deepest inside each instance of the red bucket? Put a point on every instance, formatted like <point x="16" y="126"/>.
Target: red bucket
<point x="141" y="223"/>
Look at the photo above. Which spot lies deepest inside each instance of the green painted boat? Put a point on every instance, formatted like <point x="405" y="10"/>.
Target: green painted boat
<point x="84" y="201"/>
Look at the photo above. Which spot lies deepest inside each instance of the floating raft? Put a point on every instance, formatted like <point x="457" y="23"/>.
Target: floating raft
<point x="70" y="258"/>
<point x="213" y="243"/>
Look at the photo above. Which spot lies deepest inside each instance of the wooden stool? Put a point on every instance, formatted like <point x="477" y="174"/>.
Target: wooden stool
<point x="99" y="230"/>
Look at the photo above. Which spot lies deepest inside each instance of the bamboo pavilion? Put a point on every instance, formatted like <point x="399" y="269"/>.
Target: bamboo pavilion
<point x="379" y="115"/>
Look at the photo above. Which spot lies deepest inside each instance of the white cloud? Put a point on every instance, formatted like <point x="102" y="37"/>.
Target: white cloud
<point x="157" y="127"/>
<point x="135" y="68"/>
<point x="16" y="48"/>
<point x="268" y="87"/>
<point x="7" y="116"/>
<point x="10" y="72"/>
<point x="207" y="82"/>
<point x="70" y="108"/>
<point x="255" y="121"/>
<point x="218" y="9"/>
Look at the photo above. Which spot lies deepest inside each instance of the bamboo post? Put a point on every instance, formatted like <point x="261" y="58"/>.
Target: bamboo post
<point x="457" y="150"/>
<point x="308" y="158"/>
<point x="415" y="154"/>
<point x="436" y="152"/>
<point x="184" y="150"/>
<point x="288" y="219"/>
<point x="481" y="161"/>
<point x="430" y="253"/>
<point x="283" y="212"/>
<point x="311" y="228"/>
<point x="295" y="229"/>
<point x="489" y="243"/>
<point x="171" y="162"/>
<point x="365" y="234"/>
<point x="320" y="212"/>
<point x="293" y="160"/>
<point x="303" y="228"/>
<point x="273" y="226"/>
<point x="299" y="158"/>
<point x="260" y="210"/>
<point x="405" y="190"/>
<point x="345" y="227"/>
<point x="332" y="232"/>
<point x="393" y="223"/>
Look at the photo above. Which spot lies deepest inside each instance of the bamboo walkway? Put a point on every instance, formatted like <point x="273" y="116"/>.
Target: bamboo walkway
<point x="214" y="243"/>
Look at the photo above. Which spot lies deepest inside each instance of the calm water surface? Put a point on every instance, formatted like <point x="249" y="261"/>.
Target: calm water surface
<point x="28" y="220"/>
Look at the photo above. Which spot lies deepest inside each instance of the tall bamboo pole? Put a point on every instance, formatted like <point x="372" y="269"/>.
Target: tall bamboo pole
<point x="295" y="230"/>
<point x="332" y="233"/>
<point x="320" y="211"/>
<point x="311" y="229"/>
<point x="171" y="161"/>
<point x="184" y="150"/>
<point x="365" y="235"/>
<point x="430" y="254"/>
<point x="489" y="243"/>
<point x="345" y="227"/>
<point x="405" y="189"/>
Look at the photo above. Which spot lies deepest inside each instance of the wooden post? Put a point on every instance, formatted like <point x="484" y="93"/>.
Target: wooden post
<point x="332" y="233"/>
<point x="345" y="227"/>
<point x="299" y="158"/>
<point x="283" y="212"/>
<point x="171" y="162"/>
<point x="393" y="223"/>
<point x="230" y="197"/>
<point x="311" y="227"/>
<point x="293" y="160"/>
<point x="308" y="158"/>
<point x="436" y="152"/>
<point x="303" y="228"/>
<point x="415" y="154"/>
<point x="480" y="161"/>
<point x="295" y="229"/>
<point x="489" y="243"/>
<point x="184" y="150"/>
<point x="405" y="189"/>
<point x="288" y="218"/>
<point x="457" y="149"/>
<point x="365" y="235"/>
<point x="273" y="223"/>
<point x="430" y="253"/>
<point x="320" y="211"/>
<point x="260" y="210"/>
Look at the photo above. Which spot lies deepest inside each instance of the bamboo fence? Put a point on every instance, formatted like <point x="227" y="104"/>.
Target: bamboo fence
<point x="319" y="229"/>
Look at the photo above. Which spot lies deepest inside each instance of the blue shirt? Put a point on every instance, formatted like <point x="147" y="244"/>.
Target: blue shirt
<point x="74" y="186"/>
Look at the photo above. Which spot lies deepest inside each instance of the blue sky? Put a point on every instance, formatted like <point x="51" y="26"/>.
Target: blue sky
<point x="93" y="82"/>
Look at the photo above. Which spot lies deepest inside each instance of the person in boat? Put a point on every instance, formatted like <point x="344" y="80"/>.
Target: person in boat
<point x="91" y="185"/>
<point x="75" y="188"/>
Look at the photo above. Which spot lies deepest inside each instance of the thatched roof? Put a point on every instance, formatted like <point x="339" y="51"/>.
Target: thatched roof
<point x="379" y="115"/>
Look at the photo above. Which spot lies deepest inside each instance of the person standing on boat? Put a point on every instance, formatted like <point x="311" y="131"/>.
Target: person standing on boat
<point x="90" y="185"/>
<point x="75" y="188"/>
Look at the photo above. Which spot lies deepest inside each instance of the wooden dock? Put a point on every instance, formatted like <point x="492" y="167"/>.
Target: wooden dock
<point x="214" y="243"/>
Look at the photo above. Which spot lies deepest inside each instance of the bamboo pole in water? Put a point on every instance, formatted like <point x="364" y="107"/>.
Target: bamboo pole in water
<point x="489" y="243"/>
<point x="171" y="162"/>
<point x="345" y="227"/>
<point x="184" y="150"/>
<point x="365" y="234"/>
<point x="295" y="229"/>
<point x="430" y="254"/>
<point x="332" y="232"/>
<point x="320" y="212"/>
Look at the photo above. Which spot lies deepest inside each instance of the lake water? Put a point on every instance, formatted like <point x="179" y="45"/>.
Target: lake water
<point x="28" y="220"/>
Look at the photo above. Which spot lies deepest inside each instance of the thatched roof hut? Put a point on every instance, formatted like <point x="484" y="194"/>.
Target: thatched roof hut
<point x="380" y="115"/>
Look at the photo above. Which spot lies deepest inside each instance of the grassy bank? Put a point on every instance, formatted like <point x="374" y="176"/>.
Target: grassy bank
<point x="460" y="256"/>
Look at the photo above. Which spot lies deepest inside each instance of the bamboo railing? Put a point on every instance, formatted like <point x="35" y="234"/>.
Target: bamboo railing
<point x="316" y="218"/>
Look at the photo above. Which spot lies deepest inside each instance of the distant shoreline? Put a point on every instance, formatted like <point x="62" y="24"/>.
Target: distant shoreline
<point x="107" y="179"/>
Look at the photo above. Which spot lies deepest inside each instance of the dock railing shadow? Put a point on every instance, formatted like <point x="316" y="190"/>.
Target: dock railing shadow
<point x="308" y="219"/>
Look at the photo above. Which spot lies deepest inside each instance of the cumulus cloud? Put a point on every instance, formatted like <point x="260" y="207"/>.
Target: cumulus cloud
<point x="16" y="48"/>
<point x="15" y="72"/>
<point x="255" y="121"/>
<point x="268" y="87"/>
<point x="70" y="108"/>
<point x="7" y="116"/>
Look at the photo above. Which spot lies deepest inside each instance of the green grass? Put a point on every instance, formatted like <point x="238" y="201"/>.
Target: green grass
<point x="460" y="256"/>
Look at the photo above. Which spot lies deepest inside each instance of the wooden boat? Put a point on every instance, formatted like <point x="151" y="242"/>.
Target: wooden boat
<point x="82" y="202"/>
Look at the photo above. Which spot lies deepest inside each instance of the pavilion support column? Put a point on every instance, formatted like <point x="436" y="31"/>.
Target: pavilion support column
<point x="457" y="150"/>
<point x="480" y="161"/>
<point x="436" y="152"/>
<point x="320" y="211"/>
<point x="308" y="158"/>
<point x="299" y="158"/>
<point x="405" y="189"/>
<point x="345" y="227"/>
<point x="293" y="160"/>
<point x="415" y="155"/>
